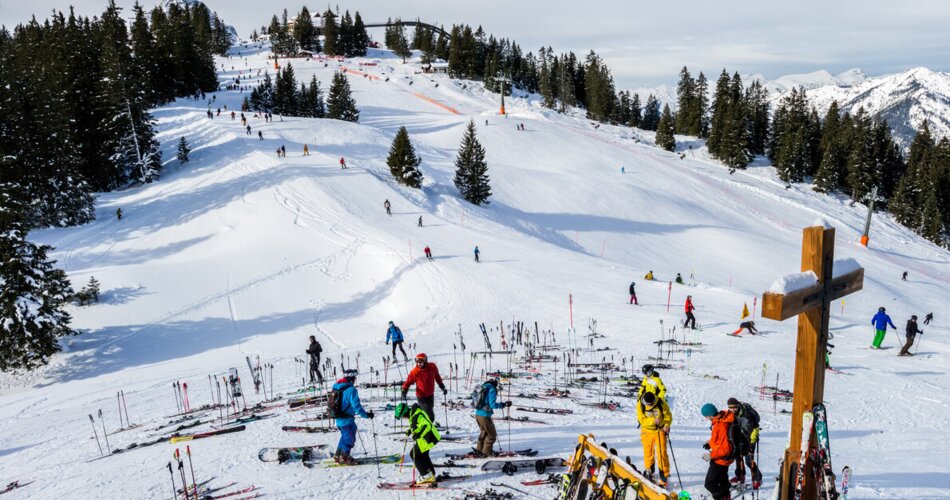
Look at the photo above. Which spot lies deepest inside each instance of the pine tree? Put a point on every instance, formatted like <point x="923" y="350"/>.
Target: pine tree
<point x="471" y="171"/>
<point x="651" y="114"/>
<point x="340" y="103"/>
<point x="331" y="34"/>
<point x="33" y="294"/>
<point x="685" y="91"/>
<point x="665" y="130"/>
<point x="636" y="112"/>
<point x="360" y="37"/>
<point x="834" y="152"/>
<point x="285" y="91"/>
<point x="699" y="121"/>
<point x="720" y="112"/>
<point x="403" y="161"/>
<point x="183" y="150"/>
<point x="345" y="41"/>
<point x="305" y="33"/>
<point x="398" y="42"/>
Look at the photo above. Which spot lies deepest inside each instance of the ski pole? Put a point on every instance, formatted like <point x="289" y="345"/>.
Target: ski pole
<point x="402" y="459"/>
<point x="194" y="483"/>
<point x="181" y="470"/>
<point x="172" y="472"/>
<point x="184" y="396"/>
<point x="211" y="386"/>
<point x="94" y="433"/>
<point x="126" y="408"/>
<point x="118" y="401"/>
<point x="916" y="347"/>
<point x="375" y="446"/>
<point x="673" y="455"/>
<point x="177" y="403"/>
<point x="445" y="401"/>
<point x="105" y="435"/>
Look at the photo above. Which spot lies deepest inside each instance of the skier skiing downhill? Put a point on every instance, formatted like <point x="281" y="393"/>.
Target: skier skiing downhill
<point x="748" y="420"/>
<point x="880" y="322"/>
<point x="719" y="451"/>
<point x="689" y="308"/>
<point x="651" y="383"/>
<point x="633" y="293"/>
<point x="342" y="163"/>
<point x="428" y="252"/>
<point x="928" y="318"/>
<point x="484" y="409"/>
<point x="477" y="252"/>
<point x="394" y="334"/>
<point x="387" y="205"/>
<point x="655" y="418"/>
<point x="746" y="325"/>
<point x="910" y="332"/>
<point x="314" y="351"/>
<point x="426" y="436"/>
<point x="424" y="376"/>
<point x="349" y="407"/>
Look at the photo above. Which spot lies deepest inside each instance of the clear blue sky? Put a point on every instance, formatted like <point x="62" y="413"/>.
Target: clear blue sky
<point x="646" y="43"/>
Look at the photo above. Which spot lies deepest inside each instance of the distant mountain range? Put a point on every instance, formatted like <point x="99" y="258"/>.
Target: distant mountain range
<point x="905" y="99"/>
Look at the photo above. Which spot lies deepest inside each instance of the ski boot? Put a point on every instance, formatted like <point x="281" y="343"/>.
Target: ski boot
<point x="427" y="479"/>
<point x="662" y="482"/>
<point x="737" y="480"/>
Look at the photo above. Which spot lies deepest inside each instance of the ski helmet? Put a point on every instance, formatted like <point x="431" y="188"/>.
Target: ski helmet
<point x="709" y="410"/>
<point x="402" y="409"/>
<point x="649" y="399"/>
<point x="647" y="369"/>
<point x="422" y="356"/>
<point x="880" y="309"/>
<point x="391" y="323"/>
<point x="350" y="375"/>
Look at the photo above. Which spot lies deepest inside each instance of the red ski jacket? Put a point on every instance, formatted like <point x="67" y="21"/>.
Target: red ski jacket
<point x="689" y="305"/>
<point x="425" y="378"/>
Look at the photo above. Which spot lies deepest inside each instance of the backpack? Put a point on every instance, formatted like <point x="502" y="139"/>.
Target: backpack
<point x="738" y="441"/>
<point x="478" y="397"/>
<point x="335" y="404"/>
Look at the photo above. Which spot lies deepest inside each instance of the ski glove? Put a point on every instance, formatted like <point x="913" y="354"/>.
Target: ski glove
<point x="370" y="414"/>
<point x="754" y="437"/>
<point x="706" y="446"/>
<point x="706" y="457"/>
<point x="445" y="392"/>
<point x="404" y="392"/>
<point x="507" y="404"/>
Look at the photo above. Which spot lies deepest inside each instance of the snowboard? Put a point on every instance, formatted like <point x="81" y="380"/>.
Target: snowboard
<point x="385" y="459"/>
<point x="510" y="466"/>
<point x="289" y="454"/>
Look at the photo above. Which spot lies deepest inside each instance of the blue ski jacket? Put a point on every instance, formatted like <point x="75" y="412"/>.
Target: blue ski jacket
<point x="394" y="334"/>
<point x="881" y="320"/>
<point x="489" y="403"/>
<point x="351" y="403"/>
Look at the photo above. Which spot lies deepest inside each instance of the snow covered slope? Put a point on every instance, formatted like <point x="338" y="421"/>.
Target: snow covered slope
<point x="241" y="253"/>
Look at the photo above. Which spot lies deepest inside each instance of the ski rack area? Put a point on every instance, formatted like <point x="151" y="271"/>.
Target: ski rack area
<point x="618" y="469"/>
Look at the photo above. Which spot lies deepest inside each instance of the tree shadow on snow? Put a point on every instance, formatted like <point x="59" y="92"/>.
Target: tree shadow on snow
<point x="122" y="295"/>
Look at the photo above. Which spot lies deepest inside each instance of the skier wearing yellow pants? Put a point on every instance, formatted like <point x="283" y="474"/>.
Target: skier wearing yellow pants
<point x="655" y="418"/>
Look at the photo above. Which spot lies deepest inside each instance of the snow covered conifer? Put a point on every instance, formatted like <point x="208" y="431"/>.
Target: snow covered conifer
<point x="340" y="103"/>
<point x="665" y="130"/>
<point x="471" y="171"/>
<point x="651" y="114"/>
<point x="403" y="161"/>
<point x="183" y="150"/>
<point x="33" y="295"/>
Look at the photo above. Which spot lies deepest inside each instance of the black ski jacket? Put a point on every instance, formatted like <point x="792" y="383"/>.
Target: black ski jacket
<point x="912" y="328"/>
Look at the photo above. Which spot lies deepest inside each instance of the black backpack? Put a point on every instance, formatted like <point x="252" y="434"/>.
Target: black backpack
<point x="479" y="396"/>
<point x="738" y="441"/>
<point x="335" y="404"/>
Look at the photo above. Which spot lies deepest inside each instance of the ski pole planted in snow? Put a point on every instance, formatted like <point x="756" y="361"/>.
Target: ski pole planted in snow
<point x="105" y="435"/>
<point x="118" y="400"/>
<point x="172" y="472"/>
<point x="194" y="483"/>
<point x="94" y="433"/>
<point x="126" y="408"/>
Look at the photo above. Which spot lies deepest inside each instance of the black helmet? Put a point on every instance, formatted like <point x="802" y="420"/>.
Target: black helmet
<point x="880" y="309"/>
<point x="647" y="369"/>
<point x="349" y="375"/>
<point x="914" y="317"/>
<point x="649" y="399"/>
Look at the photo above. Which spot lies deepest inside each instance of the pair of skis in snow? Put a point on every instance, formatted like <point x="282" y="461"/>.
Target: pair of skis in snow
<point x="817" y="421"/>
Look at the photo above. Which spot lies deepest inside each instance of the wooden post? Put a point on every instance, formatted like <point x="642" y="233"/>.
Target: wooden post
<point x="812" y="305"/>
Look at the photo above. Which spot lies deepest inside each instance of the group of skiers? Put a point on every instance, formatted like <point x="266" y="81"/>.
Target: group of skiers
<point x="734" y="438"/>
<point x="881" y="321"/>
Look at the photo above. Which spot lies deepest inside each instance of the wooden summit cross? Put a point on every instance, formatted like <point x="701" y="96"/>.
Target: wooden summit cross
<point x="811" y="304"/>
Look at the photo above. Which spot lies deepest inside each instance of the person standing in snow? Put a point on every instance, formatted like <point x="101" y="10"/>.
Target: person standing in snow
<point x="477" y="252"/>
<point x="420" y="221"/>
<point x="424" y="376"/>
<point x="651" y="383"/>
<point x="350" y="407"/>
<point x="904" y="276"/>
<point x="928" y="318"/>
<point x="746" y="325"/>
<point x="910" y="332"/>
<point x="425" y="435"/>
<point x="484" y="409"/>
<point x="395" y="335"/>
<point x="679" y="279"/>
<point x="428" y="252"/>
<point x="387" y="205"/>
<point x="718" y="451"/>
<point x="342" y="163"/>
<point x="260" y="135"/>
<point x="314" y="351"/>
<point x="655" y="418"/>
<point x="880" y="322"/>
<point x="748" y="421"/>
<point x="118" y="214"/>
<point x="633" y="293"/>
<point x="689" y="308"/>
<point x="306" y="150"/>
